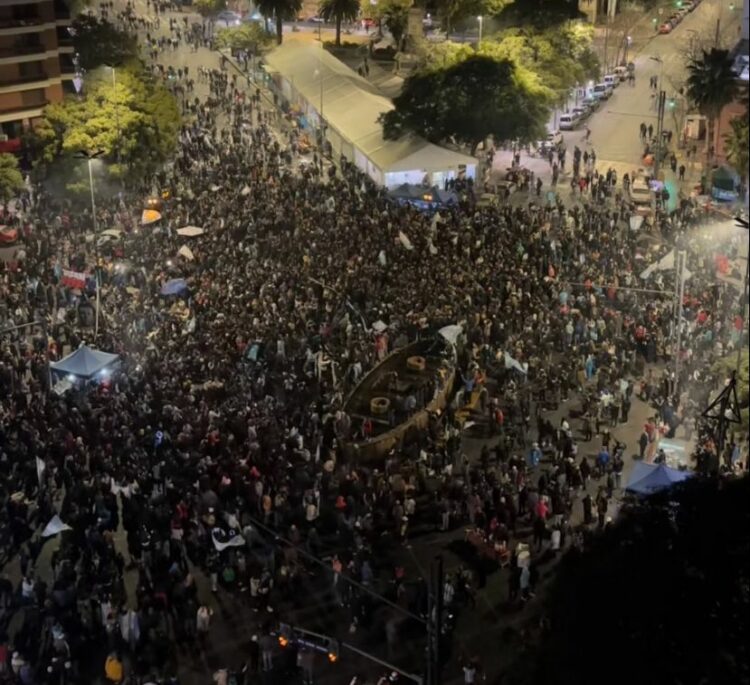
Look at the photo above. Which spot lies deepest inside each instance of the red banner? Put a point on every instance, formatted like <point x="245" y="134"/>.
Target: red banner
<point x="74" y="279"/>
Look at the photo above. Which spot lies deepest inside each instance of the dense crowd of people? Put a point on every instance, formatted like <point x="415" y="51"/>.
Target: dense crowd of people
<point x="224" y="419"/>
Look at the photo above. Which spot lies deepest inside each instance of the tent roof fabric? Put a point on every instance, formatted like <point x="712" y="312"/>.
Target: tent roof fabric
<point x="84" y="362"/>
<point x="352" y="106"/>
<point x="647" y="479"/>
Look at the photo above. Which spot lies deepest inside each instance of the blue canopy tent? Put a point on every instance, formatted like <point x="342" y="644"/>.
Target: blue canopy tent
<point x="647" y="479"/>
<point x="175" y="286"/>
<point x="84" y="362"/>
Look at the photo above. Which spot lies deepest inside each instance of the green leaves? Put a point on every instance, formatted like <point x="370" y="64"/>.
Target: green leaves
<point x="469" y="101"/>
<point x="737" y="145"/>
<point x="711" y="82"/>
<point x="11" y="179"/>
<point x="249" y="36"/>
<point x="338" y="11"/>
<point x="394" y="14"/>
<point x="280" y="10"/>
<point x="135" y="121"/>
<point x="552" y="60"/>
<point x="207" y="8"/>
<point x="98" y="42"/>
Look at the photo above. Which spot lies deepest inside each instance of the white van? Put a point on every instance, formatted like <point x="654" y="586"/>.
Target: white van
<point x="612" y="80"/>
<point x="640" y="195"/>
<point x="602" y="91"/>
<point x="568" y="121"/>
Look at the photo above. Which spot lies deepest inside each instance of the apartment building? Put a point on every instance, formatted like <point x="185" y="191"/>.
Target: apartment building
<point x="36" y="63"/>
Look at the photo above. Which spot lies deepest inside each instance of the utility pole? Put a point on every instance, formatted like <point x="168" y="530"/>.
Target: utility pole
<point x="680" y="258"/>
<point x="659" y="130"/>
<point x="435" y="622"/>
<point x="725" y="409"/>
<point x="745" y="299"/>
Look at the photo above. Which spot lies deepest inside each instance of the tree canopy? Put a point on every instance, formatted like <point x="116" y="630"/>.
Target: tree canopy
<point x="711" y="82"/>
<point x="469" y="101"/>
<point x="338" y="11"/>
<point x="737" y="145"/>
<point x="207" y="8"/>
<point x="250" y="36"/>
<point x="454" y="11"/>
<point x="539" y="13"/>
<point x="99" y="42"/>
<point x="281" y="11"/>
<point x="136" y="121"/>
<point x="11" y="179"/>
<point x="557" y="58"/>
<point x="661" y="597"/>
<point x="394" y="15"/>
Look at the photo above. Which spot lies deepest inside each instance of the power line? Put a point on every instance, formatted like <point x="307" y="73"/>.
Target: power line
<point x="348" y="579"/>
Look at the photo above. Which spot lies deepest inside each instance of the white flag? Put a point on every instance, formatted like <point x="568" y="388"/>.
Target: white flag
<point x="664" y="264"/>
<point x="41" y="467"/>
<point x="54" y="527"/>
<point x="405" y="240"/>
<point x="511" y="363"/>
<point x="233" y="541"/>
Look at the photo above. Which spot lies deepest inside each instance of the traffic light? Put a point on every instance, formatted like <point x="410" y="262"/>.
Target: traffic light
<point x="285" y="634"/>
<point x="333" y="651"/>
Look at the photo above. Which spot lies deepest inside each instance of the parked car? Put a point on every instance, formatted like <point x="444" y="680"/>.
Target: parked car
<point x="568" y="121"/>
<point x="602" y="91"/>
<point x="591" y="102"/>
<point x="612" y="79"/>
<point x="551" y="142"/>
<point x="581" y="112"/>
<point x="621" y="72"/>
<point x="641" y="196"/>
<point x="228" y="18"/>
<point x="665" y="28"/>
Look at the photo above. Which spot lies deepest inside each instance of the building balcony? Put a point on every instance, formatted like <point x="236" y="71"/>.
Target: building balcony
<point x="22" y="50"/>
<point x="27" y="111"/>
<point x="23" y="80"/>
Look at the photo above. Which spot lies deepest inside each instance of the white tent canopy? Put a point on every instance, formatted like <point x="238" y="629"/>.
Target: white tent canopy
<point x="351" y="108"/>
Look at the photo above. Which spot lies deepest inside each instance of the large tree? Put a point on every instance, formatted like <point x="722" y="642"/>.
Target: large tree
<point x="338" y="11"/>
<point x="539" y="13"/>
<point x="207" y="8"/>
<point x="453" y="11"/>
<point x="711" y="86"/>
<point x="661" y="597"/>
<point x="737" y="143"/>
<point x="469" y="101"/>
<point x="135" y="122"/>
<point x="250" y="37"/>
<point x="394" y="15"/>
<point x="281" y="11"/>
<point x="11" y="179"/>
<point x="98" y="42"/>
<point x="557" y="58"/>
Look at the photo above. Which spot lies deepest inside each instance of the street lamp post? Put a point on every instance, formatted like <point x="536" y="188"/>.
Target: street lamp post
<point x="117" y="111"/>
<point x="480" y="19"/>
<point x="745" y="300"/>
<point x="661" y="67"/>
<point x="90" y="157"/>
